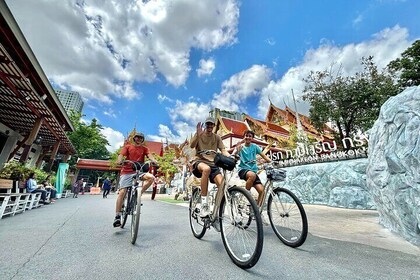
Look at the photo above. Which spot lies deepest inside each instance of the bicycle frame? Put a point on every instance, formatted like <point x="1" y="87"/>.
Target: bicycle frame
<point x="131" y="193"/>
<point x="131" y="190"/>
<point x="240" y="222"/>
<point x="222" y="191"/>
<point x="268" y="189"/>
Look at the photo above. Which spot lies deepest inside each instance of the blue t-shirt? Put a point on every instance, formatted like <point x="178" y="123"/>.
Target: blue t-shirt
<point x="31" y="185"/>
<point x="249" y="154"/>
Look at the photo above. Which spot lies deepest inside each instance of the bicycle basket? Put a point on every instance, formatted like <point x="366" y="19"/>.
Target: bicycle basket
<point x="276" y="174"/>
<point x="224" y="162"/>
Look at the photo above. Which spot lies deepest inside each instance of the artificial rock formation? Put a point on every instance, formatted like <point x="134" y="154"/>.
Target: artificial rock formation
<point x="337" y="184"/>
<point x="393" y="171"/>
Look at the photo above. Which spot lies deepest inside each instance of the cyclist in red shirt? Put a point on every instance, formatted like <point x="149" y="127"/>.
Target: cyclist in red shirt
<point x="133" y="152"/>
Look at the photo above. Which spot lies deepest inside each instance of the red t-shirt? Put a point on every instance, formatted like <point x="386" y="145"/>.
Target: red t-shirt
<point x="133" y="153"/>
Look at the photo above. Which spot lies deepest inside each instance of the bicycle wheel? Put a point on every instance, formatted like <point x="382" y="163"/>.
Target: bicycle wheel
<point x="125" y="207"/>
<point x="287" y="217"/>
<point x="135" y="216"/>
<point x="243" y="240"/>
<point x="197" y="225"/>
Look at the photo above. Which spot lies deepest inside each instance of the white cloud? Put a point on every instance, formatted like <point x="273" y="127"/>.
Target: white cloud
<point x="271" y="41"/>
<point x="357" y="20"/>
<point x="235" y="91"/>
<point x="240" y="87"/>
<point x="162" y="98"/>
<point x="255" y="81"/>
<point x="99" y="48"/>
<point x="206" y="67"/>
<point x="385" y="46"/>
<point x="184" y="118"/>
<point x="110" y="113"/>
<point x="114" y="137"/>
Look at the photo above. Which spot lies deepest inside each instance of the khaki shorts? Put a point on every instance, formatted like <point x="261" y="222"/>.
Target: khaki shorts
<point x="127" y="180"/>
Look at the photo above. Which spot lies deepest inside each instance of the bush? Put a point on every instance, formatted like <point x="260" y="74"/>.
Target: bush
<point x="17" y="171"/>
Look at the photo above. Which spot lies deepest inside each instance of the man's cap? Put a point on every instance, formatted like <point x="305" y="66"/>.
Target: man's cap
<point x="210" y="120"/>
<point x="139" y="134"/>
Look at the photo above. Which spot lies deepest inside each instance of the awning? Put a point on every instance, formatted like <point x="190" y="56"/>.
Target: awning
<point x="26" y="96"/>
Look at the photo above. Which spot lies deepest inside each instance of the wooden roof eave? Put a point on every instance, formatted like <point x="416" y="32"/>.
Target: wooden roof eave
<point x="40" y="79"/>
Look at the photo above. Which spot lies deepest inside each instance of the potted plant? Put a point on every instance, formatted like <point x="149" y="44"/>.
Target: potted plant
<point x="18" y="172"/>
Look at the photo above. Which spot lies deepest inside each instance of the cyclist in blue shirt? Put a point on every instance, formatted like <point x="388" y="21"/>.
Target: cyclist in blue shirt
<point x="248" y="166"/>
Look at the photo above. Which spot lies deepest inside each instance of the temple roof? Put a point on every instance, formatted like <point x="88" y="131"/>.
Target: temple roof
<point x="96" y="164"/>
<point x="269" y="128"/>
<point x="233" y="126"/>
<point x="155" y="147"/>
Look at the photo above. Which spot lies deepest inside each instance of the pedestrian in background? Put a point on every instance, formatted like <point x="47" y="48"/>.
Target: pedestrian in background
<point x="77" y="186"/>
<point x="106" y="186"/>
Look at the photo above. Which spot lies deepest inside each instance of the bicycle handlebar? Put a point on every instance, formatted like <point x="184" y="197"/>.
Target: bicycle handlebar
<point x="272" y="164"/>
<point x="138" y="165"/>
<point x="209" y="152"/>
<point x="206" y="152"/>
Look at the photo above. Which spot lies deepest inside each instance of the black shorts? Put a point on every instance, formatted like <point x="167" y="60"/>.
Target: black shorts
<point x="214" y="171"/>
<point x="242" y="175"/>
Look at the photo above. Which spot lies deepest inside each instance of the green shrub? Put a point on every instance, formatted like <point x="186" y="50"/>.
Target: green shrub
<point x="18" y="171"/>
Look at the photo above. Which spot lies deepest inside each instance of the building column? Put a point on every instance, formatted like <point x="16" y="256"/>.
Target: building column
<point x="41" y="157"/>
<point x="53" y="154"/>
<point x="30" y="140"/>
<point x="66" y="157"/>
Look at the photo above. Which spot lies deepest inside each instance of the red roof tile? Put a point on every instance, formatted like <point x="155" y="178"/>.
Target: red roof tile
<point x="237" y="127"/>
<point x="155" y="147"/>
<point x="96" y="164"/>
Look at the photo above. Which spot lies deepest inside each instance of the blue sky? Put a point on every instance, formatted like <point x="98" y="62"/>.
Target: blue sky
<point x="162" y="65"/>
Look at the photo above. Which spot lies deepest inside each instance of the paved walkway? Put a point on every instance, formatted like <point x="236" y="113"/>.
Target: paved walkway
<point x="74" y="239"/>
<point x="359" y="226"/>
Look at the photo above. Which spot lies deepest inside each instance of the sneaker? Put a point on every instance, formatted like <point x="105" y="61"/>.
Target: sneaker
<point x="117" y="221"/>
<point x="204" y="211"/>
<point x="216" y="225"/>
<point x="264" y="220"/>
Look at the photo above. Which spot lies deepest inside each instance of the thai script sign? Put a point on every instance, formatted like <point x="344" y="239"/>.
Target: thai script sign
<point x="350" y="148"/>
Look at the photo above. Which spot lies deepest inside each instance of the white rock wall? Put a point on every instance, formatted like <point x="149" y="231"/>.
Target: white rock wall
<point x="393" y="171"/>
<point x="338" y="184"/>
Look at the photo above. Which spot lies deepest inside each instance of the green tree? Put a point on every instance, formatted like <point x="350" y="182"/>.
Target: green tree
<point x="351" y="103"/>
<point x="408" y="66"/>
<point x="167" y="166"/>
<point x="88" y="140"/>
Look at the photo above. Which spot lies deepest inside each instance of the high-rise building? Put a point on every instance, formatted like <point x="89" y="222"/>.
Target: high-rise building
<point x="71" y="100"/>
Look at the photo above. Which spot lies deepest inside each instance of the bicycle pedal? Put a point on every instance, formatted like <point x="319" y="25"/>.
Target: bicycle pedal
<point x="207" y="222"/>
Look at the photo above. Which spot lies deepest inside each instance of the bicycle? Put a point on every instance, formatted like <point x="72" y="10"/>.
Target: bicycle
<point x="132" y="201"/>
<point x="238" y="216"/>
<point x="285" y="211"/>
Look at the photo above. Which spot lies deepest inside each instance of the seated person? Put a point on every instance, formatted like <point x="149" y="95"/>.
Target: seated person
<point x="248" y="166"/>
<point x="32" y="187"/>
<point x="203" y="165"/>
<point x="49" y="188"/>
